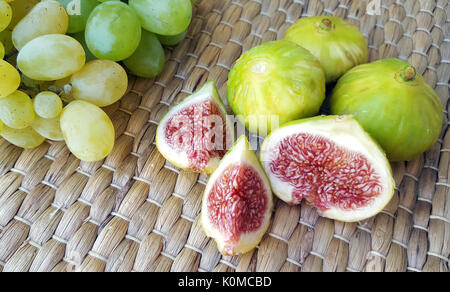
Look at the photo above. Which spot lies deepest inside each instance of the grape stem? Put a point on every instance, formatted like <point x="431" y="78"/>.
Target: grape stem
<point x="66" y="89"/>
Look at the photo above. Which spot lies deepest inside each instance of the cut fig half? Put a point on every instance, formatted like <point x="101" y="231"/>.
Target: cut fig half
<point x="237" y="203"/>
<point x="332" y="163"/>
<point x="196" y="133"/>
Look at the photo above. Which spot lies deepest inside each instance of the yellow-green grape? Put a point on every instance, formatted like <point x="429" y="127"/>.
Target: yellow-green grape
<point x="172" y="40"/>
<point x="88" y="131"/>
<point x="10" y="79"/>
<point x="6" y="40"/>
<point x="16" y="110"/>
<point x="25" y="138"/>
<point x="101" y="82"/>
<point x="163" y="17"/>
<point x="148" y="60"/>
<point x="48" y="128"/>
<point x="113" y="31"/>
<point x="1" y="126"/>
<point x="5" y="15"/>
<point x="51" y="57"/>
<point x="47" y="17"/>
<point x="2" y="51"/>
<point x="47" y="105"/>
<point x="20" y="8"/>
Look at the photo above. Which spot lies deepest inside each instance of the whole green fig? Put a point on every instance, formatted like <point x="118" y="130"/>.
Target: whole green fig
<point x="338" y="45"/>
<point x="394" y="104"/>
<point x="275" y="83"/>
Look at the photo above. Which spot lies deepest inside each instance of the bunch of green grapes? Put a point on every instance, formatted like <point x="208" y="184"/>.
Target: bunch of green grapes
<point x="47" y="89"/>
<point x="58" y="63"/>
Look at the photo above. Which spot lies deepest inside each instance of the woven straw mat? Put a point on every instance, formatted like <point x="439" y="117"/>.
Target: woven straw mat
<point x="136" y="212"/>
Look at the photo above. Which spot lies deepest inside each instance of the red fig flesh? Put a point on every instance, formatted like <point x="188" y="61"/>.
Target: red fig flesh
<point x="330" y="162"/>
<point x="195" y="134"/>
<point x="237" y="203"/>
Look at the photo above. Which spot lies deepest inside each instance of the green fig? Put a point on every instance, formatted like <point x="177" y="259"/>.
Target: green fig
<point x="275" y="83"/>
<point x="394" y="104"/>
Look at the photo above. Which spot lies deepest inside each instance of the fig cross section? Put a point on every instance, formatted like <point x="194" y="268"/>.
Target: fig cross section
<point x="332" y="164"/>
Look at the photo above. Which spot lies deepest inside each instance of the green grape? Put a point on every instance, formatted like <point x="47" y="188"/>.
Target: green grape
<point x="148" y="60"/>
<point x="164" y="17"/>
<point x="2" y="51"/>
<point x="47" y="105"/>
<point x="101" y="82"/>
<point x="79" y="36"/>
<point x="10" y="79"/>
<point x="20" y="8"/>
<point x="88" y="131"/>
<point x="172" y="40"/>
<point x="5" y="15"/>
<point x="25" y="138"/>
<point x="16" y="110"/>
<point x="6" y="40"/>
<point x="51" y="57"/>
<point x="113" y="31"/>
<point x="78" y="12"/>
<point x="1" y="126"/>
<point x="48" y="128"/>
<point x="47" y="17"/>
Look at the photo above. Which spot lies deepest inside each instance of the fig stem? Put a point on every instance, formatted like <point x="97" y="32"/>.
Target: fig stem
<point x="326" y="24"/>
<point x="409" y="73"/>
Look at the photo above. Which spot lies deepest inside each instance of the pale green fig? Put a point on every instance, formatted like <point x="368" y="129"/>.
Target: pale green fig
<point x="275" y="83"/>
<point x="338" y="45"/>
<point x="394" y="104"/>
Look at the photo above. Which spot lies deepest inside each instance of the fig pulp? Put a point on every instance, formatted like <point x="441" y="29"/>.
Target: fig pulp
<point x="275" y="83"/>
<point x="237" y="203"/>
<point x="332" y="163"/>
<point x="196" y="133"/>
<point x="393" y="104"/>
<point x="338" y="45"/>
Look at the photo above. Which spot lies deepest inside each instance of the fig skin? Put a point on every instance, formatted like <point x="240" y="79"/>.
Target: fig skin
<point x="276" y="79"/>
<point x="338" y="45"/>
<point x="393" y="104"/>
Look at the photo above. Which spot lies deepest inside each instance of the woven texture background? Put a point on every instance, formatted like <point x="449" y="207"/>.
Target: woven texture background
<point x="136" y="212"/>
